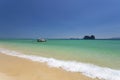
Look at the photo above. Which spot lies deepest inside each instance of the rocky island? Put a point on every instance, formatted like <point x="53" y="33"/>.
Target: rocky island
<point x="92" y="37"/>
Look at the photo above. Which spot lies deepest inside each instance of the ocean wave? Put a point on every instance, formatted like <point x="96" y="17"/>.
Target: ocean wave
<point x="90" y="70"/>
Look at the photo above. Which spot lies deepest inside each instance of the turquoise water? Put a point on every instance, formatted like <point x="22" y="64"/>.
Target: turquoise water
<point x="99" y="52"/>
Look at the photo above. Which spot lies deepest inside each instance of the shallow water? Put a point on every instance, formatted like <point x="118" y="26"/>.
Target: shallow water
<point x="104" y="53"/>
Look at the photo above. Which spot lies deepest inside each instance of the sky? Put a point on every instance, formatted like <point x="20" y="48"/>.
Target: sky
<point x="59" y="18"/>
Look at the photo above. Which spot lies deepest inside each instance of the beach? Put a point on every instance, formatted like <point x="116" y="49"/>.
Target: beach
<point x="60" y="40"/>
<point x="59" y="60"/>
<point x="5" y="77"/>
<point x="14" y="68"/>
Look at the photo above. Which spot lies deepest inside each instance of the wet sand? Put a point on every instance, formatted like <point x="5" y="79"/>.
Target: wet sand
<point x="14" y="68"/>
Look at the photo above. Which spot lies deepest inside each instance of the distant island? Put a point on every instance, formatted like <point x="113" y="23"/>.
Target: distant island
<point x="86" y="37"/>
<point x="92" y="37"/>
<point x="114" y="38"/>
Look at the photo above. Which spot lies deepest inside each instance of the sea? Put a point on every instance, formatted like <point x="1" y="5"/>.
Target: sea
<point x="93" y="58"/>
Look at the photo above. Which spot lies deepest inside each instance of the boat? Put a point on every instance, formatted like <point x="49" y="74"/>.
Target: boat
<point x="41" y="40"/>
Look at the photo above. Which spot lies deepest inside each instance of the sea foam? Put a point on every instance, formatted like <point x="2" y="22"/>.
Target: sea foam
<point x="90" y="70"/>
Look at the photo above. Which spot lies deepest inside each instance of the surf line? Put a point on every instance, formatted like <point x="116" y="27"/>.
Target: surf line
<point x="90" y="70"/>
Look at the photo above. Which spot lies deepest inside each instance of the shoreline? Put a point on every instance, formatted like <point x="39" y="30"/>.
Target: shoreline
<point x="23" y="69"/>
<point x="89" y="70"/>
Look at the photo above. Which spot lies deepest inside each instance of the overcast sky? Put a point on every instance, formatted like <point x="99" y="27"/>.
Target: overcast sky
<point x="59" y="18"/>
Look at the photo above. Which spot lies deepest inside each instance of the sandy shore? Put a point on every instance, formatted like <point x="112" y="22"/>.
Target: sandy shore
<point x="5" y="77"/>
<point x="13" y="68"/>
